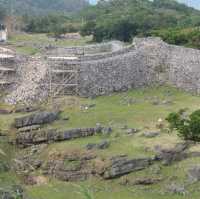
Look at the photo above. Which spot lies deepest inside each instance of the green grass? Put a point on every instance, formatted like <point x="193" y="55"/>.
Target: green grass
<point x="111" y="111"/>
<point x="29" y="43"/>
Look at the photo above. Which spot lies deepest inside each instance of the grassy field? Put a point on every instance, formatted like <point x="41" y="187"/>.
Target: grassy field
<point x="30" y="44"/>
<point x="137" y="109"/>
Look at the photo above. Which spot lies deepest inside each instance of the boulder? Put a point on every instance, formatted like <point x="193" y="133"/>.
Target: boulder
<point x="123" y="166"/>
<point x="107" y="130"/>
<point x="169" y="155"/>
<point x="36" y="119"/>
<point x="91" y="146"/>
<point x="131" y="131"/>
<point x="151" y="134"/>
<point x="146" y="181"/>
<point x="176" y="189"/>
<point x="102" y="145"/>
<point x="194" y="173"/>
<point x="140" y="181"/>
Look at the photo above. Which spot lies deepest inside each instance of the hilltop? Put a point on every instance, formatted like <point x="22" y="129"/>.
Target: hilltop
<point x="42" y="7"/>
<point x="124" y="19"/>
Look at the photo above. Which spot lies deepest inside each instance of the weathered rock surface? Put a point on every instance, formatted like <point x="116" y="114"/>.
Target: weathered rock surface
<point x="176" y="189"/>
<point x="140" y="181"/>
<point x="103" y="145"/>
<point x="131" y="131"/>
<point x="123" y="166"/>
<point x="194" y="173"/>
<point x="47" y="136"/>
<point x="36" y="119"/>
<point x="28" y="128"/>
<point x="28" y="160"/>
<point x="151" y="134"/>
<point x="70" y="167"/>
<point x="169" y="155"/>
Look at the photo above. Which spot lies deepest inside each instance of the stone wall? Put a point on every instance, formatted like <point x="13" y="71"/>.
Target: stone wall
<point x="84" y="50"/>
<point x="132" y="67"/>
<point x="147" y="61"/>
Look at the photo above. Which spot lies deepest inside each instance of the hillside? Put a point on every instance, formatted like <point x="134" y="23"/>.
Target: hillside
<point x="123" y="19"/>
<point x="41" y="6"/>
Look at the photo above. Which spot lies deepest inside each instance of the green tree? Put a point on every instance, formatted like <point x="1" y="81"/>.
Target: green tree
<point x="188" y="128"/>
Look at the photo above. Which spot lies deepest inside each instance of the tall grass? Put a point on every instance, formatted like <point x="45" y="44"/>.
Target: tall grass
<point x="85" y="192"/>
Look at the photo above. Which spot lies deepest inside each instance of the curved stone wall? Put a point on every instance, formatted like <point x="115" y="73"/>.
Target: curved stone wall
<point x="85" y="50"/>
<point x="135" y="66"/>
<point x="147" y="61"/>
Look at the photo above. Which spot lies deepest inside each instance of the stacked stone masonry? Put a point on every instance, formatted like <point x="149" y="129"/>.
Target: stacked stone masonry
<point x="147" y="61"/>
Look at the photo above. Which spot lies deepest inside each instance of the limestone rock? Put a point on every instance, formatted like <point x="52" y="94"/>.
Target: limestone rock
<point x="70" y="167"/>
<point x="194" y="173"/>
<point x="123" y="166"/>
<point x="169" y="155"/>
<point x="176" y="189"/>
<point x="36" y="119"/>
<point x="28" y="128"/>
<point x="102" y="145"/>
<point x="46" y="136"/>
<point x="141" y="181"/>
<point x="131" y="131"/>
<point x="151" y="134"/>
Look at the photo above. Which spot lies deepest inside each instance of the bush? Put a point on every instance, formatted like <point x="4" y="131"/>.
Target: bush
<point x="187" y="127"/>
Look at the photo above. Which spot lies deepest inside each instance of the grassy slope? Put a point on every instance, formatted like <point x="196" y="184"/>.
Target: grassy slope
<point x="28" y="43"/>
<point x="110" y="110"/>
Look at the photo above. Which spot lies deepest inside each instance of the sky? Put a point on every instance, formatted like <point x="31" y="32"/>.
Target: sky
<point x="93" y="1"/>
<point x="193" y="3"/>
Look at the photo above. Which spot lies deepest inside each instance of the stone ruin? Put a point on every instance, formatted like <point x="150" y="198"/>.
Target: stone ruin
<point x="98" y="70"/>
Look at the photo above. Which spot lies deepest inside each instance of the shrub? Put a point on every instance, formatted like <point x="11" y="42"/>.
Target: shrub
<point x="187" y="127"/>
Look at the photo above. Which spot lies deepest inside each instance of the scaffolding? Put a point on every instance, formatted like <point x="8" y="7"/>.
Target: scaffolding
<point x="7" y="71"/>
<point x="64" y="75"/>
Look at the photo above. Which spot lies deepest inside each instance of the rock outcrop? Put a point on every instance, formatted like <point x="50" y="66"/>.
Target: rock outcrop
<point x="123" y="166"/>
<point x="70" y="167"/>
<point x="53" y="135"/>
<point x="36" y="119"/>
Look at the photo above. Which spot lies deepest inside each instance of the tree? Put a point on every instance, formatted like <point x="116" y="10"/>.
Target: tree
<point x="187" y="127"/>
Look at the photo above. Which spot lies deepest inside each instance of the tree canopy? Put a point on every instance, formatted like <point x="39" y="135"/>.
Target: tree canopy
<point x="136" y="17"/>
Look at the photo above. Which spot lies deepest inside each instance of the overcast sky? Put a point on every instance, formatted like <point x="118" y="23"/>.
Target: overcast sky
<point x="194" y="3"/>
